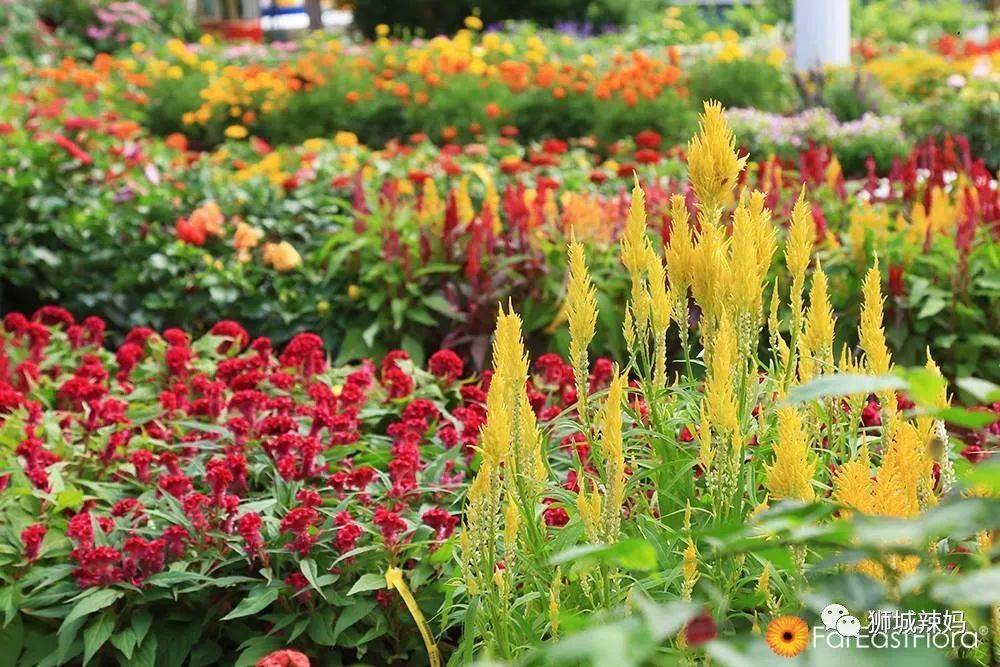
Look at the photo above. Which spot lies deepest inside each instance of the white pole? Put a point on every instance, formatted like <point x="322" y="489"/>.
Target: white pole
<point x="822" y="33"/>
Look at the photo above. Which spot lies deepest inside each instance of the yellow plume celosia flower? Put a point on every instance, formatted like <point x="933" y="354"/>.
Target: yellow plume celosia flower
<point x="798" y="250"/>
<point x="870" y="333"/>
<point x="720" y="394"/>
<point x="660" y="306"/>
<point x="794" y="465"/>
<point x="511" y="527"/>
<point x="706" y="451"/>
<point x="554" y="589"/>
<point x="589" y="506"/>
<point x="713" y="166"/>
<point x="613" y="454"/>
<point x="635" y="252"/>
<point x="581" y="311"/>
<point x="463" y="202"/>
<point x="689" y="569"/>
<point x="431" y="206"/>
<point x="853" y="485"/>
<point x="679" y="252"/>
<point x="709" y="270"/>
<point x="819" y="325"/>
<point x="904" y="464"/>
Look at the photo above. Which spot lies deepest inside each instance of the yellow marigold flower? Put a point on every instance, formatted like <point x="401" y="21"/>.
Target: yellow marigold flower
<point x="282" y="256"/>
<point x="713" y="166"/>
<point x="776" y="57"/>
<point x="236" y="132"/>
<point x="473" y="23"/>
<point x="794" y="465"/>
<point x="382" y="30"/>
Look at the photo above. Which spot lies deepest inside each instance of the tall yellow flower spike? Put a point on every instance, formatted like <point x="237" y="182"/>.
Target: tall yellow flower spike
<point x="794" y="465"/>
<point x="798" y="250"/>
<point x="613" y="453"/>
<point x="720" y="395"/>
<point x="713" y="166"/>
<point x="820" y="323"/>
<point x="870" y="333"/>
<point x="853" y="485"/>
<point x="581" y="301"/>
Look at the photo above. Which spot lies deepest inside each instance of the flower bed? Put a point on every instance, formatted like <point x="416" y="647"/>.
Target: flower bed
<point x="413" y="244"/>
<point x="250" y="499"/>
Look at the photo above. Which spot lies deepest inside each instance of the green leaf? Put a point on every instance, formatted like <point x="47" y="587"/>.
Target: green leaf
<point x="259" y="599"/>
<point x="352" y="615"/>
<point x="632" y="554"/>
<point x="125" y="641"/>
<point x="141" y="621"/>
<point x="368" y="582"/>
<point x="96" y="634"/>
<point x="842" y="384"/>
<point x="321" y="628"/>
<point x="443" y="553"/>
<point x="924" y="386"/>
<point x="984" y="391"/>
<point x="11" y="639"/>
<point x="931" y="307"/>
<point x="146" y="655"/>
<point x="966" y="418"/>
<point x="91" y="601"/>
<point x="974" y="589"/>
<point x="308" y="568"/>
<point x="69" y="498"/>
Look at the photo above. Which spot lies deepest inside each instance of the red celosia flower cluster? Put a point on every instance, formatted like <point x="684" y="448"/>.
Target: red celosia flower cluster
<point x="225" y="446"/>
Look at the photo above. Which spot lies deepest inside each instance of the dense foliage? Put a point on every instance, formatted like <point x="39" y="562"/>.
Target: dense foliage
<point x="458" y="350"/>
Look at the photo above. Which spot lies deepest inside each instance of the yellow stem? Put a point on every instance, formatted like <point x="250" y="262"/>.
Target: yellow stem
<point x="394" y="580"/>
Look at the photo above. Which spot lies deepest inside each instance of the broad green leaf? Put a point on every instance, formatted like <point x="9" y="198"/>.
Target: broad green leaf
<point x="96" y="634"/>
<point x="93" y="600"/>
<point x="842" y="384"/>
<point x="984" y="391"/>
<point x="256" y="601"/>
<point x="308" y="568"/>
<point x="368" y="582"/>
<point x="976" y="588"/>
<point x="11" y="641"/>
<point x="631" y="554"/>
<point x="351" y="615"/>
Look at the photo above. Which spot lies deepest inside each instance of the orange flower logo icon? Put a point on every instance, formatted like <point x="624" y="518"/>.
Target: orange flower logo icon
<point x="787" y="635"/>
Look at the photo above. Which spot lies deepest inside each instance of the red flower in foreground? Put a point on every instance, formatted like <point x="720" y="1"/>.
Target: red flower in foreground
<point x="31" y="538"/>
<point x="284" y="658"/>
<point x="700" y="630"/>
<point x="446" y="365"/>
